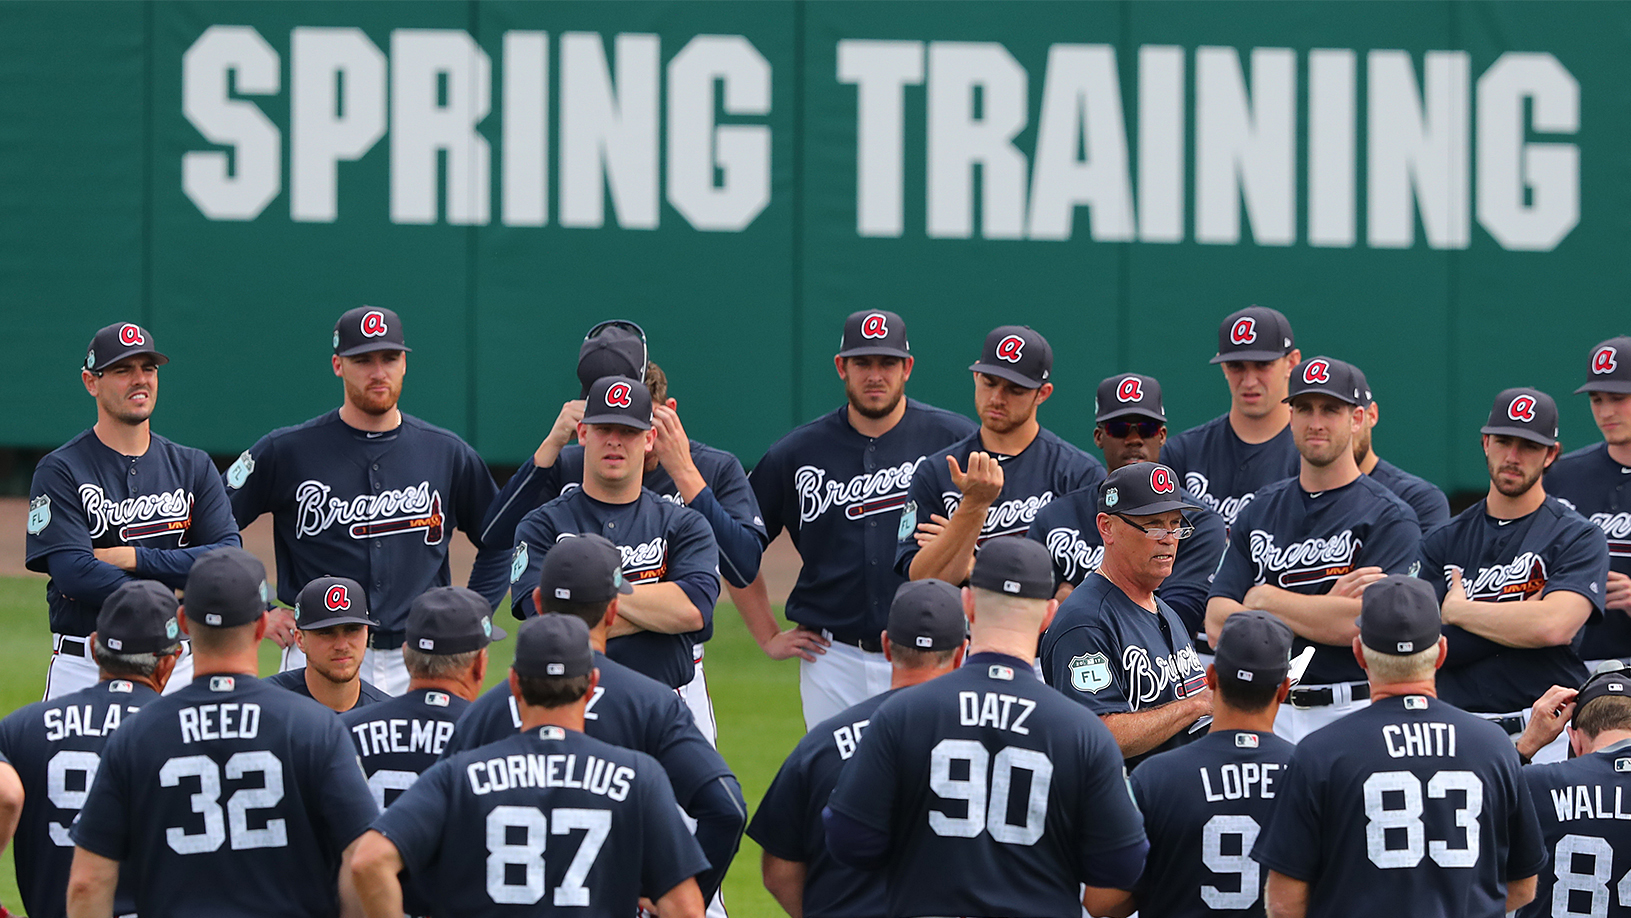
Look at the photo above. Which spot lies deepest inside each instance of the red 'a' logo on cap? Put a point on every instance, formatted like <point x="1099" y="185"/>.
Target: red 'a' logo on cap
<point x="1603" y="361"/>
<point x="373" y="324"/>
<point x="1131" y="389"/>
<point x="619" y="395"/>
<point x="1161" y="480"/>
<point x="130" y="336"/>
<point x="1317" y="371"/>
<point x="874" y="326"/>
<point x="1010" y="348"/>
<point x="1522" y="408"/>
<point x="1244" y="331"/>
<point x="338" y="598"/>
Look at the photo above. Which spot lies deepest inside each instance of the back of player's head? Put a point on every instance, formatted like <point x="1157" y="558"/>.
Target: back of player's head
<point x="553" y="660"/>
<point x="1253" y="657"/>
<point x="135" y="628"/>
<point x="226" y="589"/>
<point x="1399" y="627"/>
<point x="448" y="627"/>
<point x="926" y="624"/>
<point x="580" y="577"/>
<point x="1012" y="581"/>
<point x="1604" y="703"/>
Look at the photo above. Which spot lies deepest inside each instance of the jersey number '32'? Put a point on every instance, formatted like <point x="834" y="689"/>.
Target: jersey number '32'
<point x="207" y="802"/>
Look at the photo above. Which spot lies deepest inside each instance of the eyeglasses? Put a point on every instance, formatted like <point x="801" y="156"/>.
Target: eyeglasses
<point x="1120" y="428"/>
<point x="1156" y="534"/>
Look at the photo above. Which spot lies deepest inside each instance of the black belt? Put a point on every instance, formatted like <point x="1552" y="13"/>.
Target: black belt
<point x="1324" y="696"/>
<point x="870" y="645"/>
<point x="73" y="646"/>
<point x="1513" y="724"/>
<point x="386" y="640"/>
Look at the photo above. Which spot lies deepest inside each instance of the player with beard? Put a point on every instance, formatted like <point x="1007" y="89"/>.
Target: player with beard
<point x="1225" y="461"/>
<point x="837" y="485"/>
<point x="1431" y="506"/>
<point x="331" y="618"/>
<point x="1595" y="481"/>
<point x="1518" y="574"/>
<point x="1306" y="548"/>
<point x="992" y="482"/>
<point x="370" y="493"/>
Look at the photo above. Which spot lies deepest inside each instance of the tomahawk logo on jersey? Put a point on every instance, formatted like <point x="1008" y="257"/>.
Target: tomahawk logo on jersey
<point x="167" y="503"/>
<point x="1304" y="542"/>
<point x="1551" y="549"/>
<point x="1204" y="807"/>
<point x="1223" y="472"/>
<point x="1592" y="484"/>
<point x="1584" y="816"/>
<point x="56" y="747"/>
<point x="839" y="495"/>
<point x="1046" y="469"/>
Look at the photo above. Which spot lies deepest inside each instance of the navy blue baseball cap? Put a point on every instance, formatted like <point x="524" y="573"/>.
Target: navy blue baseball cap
<point x="1141" y="489"/>
<point x="368" y="328"/>
<point x="329" y="601"/>
<point x="118" y="341"/>
<point x="1399" y="615"/>
<point x="1014" y="565"/>
<point x="1527" y="413"/>
<point x="1017" y="353"/>
<point x="876" y="332"/>
<point x="618" y="400"/>
<point x="1255" y="647"/>
<point x="927" y="615"/>
<point x="587" y="568"/>
<point x="449" y="620"/>
<point x="1610" y="367"/>
<point x="613" y="348"/>
<point x="1254" y="333"/>
<point x="139" y="617"/>
<point x="226" y="587"/>
<point x="553" y="645"/>
<point x="1128" y="394"/>
<point x="1326" y="376"/>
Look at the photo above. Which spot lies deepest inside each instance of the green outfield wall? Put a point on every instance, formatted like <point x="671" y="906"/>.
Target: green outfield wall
<point x="1439" y="192"/>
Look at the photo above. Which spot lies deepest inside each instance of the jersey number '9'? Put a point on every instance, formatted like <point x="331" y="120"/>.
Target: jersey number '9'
<point x="989" y="810"/>
<point x="1241" y="864"/>
<point x="207" y="802"/>
<point x="1593" y="884"/>
<point x="1407" y="819"/>
<point x="528" y="853"/>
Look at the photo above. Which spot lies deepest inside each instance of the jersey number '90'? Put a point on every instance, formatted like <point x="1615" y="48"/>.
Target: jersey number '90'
<point x="1591" y="885"/>
<point x="988" y="810"/>
<point x="207" y="802"/>
<point x="1406" y="819"/>
<point x="528" y="853"/>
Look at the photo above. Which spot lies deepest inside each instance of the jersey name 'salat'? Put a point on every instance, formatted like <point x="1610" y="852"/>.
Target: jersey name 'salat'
<point x="1224" y="472"/>
<point x="1591" y="483"/>
<point x="1584" y="806"/>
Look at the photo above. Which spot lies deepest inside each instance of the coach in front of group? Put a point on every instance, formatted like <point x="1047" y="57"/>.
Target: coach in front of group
<point x="118" y="503"/>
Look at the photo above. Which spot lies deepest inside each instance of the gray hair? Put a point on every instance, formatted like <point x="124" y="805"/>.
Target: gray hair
<point x="423" y="665"/>
<point x="141" y="665"/>
<point x="1389" y="668"/>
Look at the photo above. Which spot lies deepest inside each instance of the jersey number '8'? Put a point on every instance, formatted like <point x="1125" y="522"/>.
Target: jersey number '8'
<point x="1571" y="848"/>
<point x="989" y="810"/>
<point x="528" y="852"/>
<point x="207" y="802"/>
<point x="1406" y="819"/>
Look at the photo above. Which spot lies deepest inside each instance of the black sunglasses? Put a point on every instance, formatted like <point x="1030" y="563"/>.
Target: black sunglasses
<point x="1119" y="428"/>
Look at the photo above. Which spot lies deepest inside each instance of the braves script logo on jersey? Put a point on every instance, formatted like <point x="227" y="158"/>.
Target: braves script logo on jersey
<point x="874" y="326"/>
<point x="619" y="395"/>
<point x="373" y="324"/>
<point x="1228" y="508"/>
<point x="646" y="562"/>
<point x="1073" y="555"/>
<point x="1004" y="518"/>
<point x="145" y="516"/>
<point x="368" y="516"/>
<point x="1521" y="578"/>
<point x="861" y="496"/>
<point x="1317" y="371"/>
<point x="1161" y="480"/>
<point x="1306" y="563"/>
<point x="1604" y="360"/>
<point x="338" y="598"/>
<point x="130" y="336"/>
<point x="1010" y="348"/>
<point x="1149" y="675"/>
<point x="1130" y="389"/>
<point x="1521" y="409"/>
<point x="1617" y="526"/>
<point x="1244" y="331"/>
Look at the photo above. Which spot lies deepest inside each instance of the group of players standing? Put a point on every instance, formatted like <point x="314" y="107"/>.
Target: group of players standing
<point x="1271" y="531"/>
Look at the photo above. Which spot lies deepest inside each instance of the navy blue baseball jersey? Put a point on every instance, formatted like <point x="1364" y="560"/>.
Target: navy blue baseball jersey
<point x="167" y="503"/>
<point x="942" y="770"/>
<point x="1303" y="542"/>
<point x="1204" y="807"/>
<point x="1583" y="809"/>
<point x="295" y="681"/>
<point x="839" y="493"/>
<point x="1552" y="549"/>
<point x="549" y="813"/>
<point x="1431" y="506"/>
<point x="727" y="503"/>
<point x="1116" y="657"/>
<point x="400" y="738"/>
<point x="377" y="508"/>
<point x="1409" y="806"/>
<point x="788" y="822"/>
<point x="221" y="793"/>
<point x="1592" y="484"/>
<point x="1225" y="472"/>
<point x="56" y="748"/>
<point x="1068" y="529"/>
<point x="660" y="541"/>
<point x="1047" y="469"/>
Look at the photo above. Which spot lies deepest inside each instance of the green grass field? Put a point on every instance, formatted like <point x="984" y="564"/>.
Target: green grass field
<point x="755" y="699"/>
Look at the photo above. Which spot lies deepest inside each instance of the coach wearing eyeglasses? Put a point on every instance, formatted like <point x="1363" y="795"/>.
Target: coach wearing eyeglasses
<point x="1114" y="645"/>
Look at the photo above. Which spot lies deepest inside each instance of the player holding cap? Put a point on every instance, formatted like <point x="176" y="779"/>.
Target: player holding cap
<point x="370" y="493"/>
<point x="924" y="641"/>
<point x="331" y="615"/>
<point x="1595" y="481"/>
<point x="930" y="796"/>
<point x="1131" y="426"/>
<point x="229" y="796"/>
<point x="604" y="813"/>
<point x="57" y="745"/>
<point x="1518" y="574"/>
<point x="1410" y="806"/>
<point x="118" y="503"/>
<point x="1115" y="646"/>
<point x="992" y="482"/>
<point x="1306" y="547"/>
<point x="1227" y="460"/>
<point x="837" y="485"/>
<point x="1431" y="506"/>
<point x="1205" y="805"/>
<point x="583" y="577"/>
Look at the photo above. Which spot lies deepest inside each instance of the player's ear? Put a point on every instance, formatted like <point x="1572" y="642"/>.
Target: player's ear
<point x="165" y="668"/>
<point x="607" y="620"/>
<point x="968" y="605"/>
<point x="1443" y="651"/>
<point x="958" y="655"/>
<point x="1359" y="654"/>
<point x="1212" y="677"/>
<point x="1577" y="740"/>
<point x="1284" y="691"/>
<point x="1043" y="393"/>
<point x="838" y="364"/>
<point x="538" y="600"/>
<point x="478" y="669"/>
<point x="594" y="680"/>
<point x="181" y="618"/>
<point x="1047" y="617"/>
<point x="887" y="655"/>
<point x="906" y="368"/>
<point x="1292" y="359"/>
<point x="263" y="623"/>
<point x="515" y="685"/>
<point x="1552" y="452"/>
<point x="337" y="362"/>
<point x="89" y="379"/>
